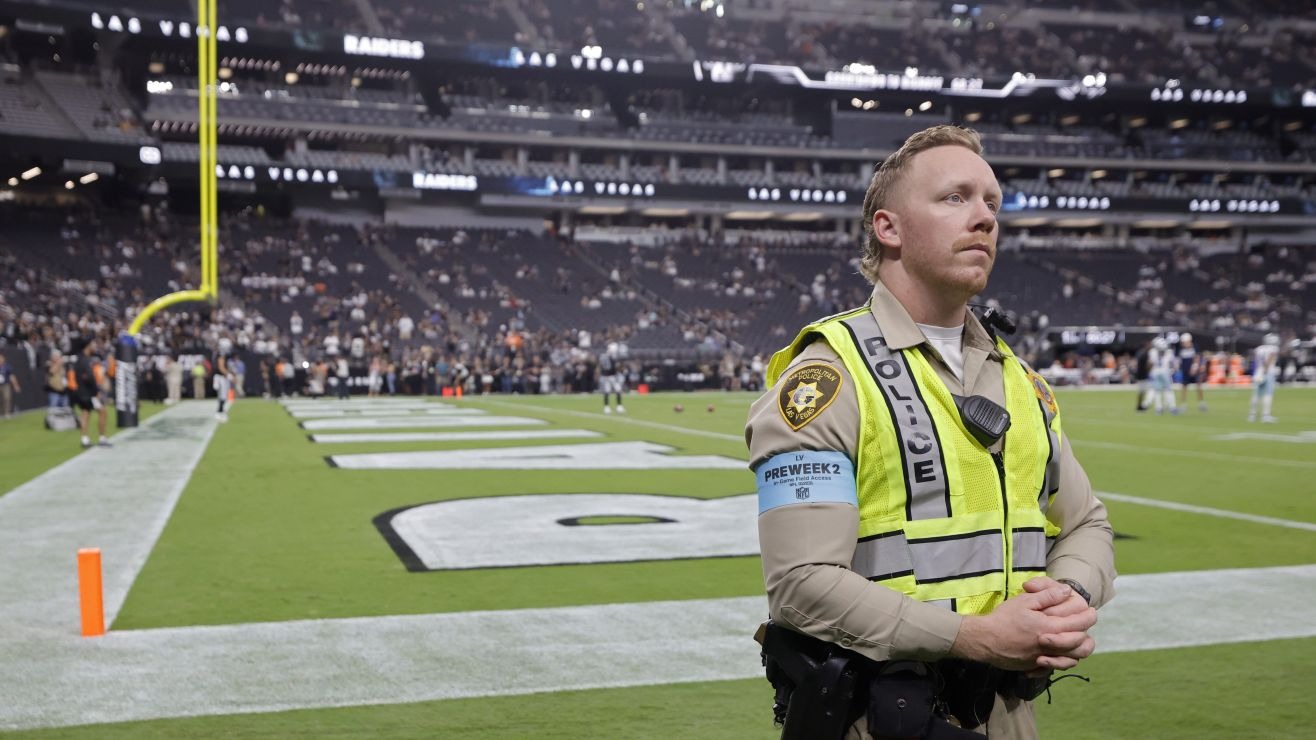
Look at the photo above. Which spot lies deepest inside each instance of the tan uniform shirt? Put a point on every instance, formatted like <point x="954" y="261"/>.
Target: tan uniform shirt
<point x="807" y="548"/>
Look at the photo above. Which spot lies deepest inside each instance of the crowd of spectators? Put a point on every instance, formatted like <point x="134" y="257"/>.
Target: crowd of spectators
<point x="496" y="310"/>
<point x="1150" y="50"/>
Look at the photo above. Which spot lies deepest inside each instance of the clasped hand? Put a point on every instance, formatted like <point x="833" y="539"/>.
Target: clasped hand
<point x="1043" y="629"/>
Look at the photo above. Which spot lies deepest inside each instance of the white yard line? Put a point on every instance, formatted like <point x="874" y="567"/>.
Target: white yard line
<point x="621" y="418"/>
<point x="1208" y="511"/>
<point x="1306" y="437"/>
<point x="1080" y="443"/>
<point x="443" y="421"/>
<point x="386" y="411"/>
<point x="452" y="436"/>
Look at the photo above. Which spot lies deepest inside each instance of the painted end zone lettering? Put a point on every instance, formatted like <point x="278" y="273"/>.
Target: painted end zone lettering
<point x="546" y="529"/>
<point x="807" y="476"/>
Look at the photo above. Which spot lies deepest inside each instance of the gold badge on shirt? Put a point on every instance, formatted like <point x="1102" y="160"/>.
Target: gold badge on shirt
<point x="807" y="392"/>
<point x="1043" y="392"/>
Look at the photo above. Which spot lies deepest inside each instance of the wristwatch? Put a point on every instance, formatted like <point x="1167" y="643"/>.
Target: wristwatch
<point x="1078" y="589"/>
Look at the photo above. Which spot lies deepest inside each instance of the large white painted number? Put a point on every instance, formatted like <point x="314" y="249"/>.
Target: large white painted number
<point x="504" y="531"/>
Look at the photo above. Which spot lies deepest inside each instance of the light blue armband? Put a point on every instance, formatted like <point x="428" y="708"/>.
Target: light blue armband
<point x="806" y="477"/>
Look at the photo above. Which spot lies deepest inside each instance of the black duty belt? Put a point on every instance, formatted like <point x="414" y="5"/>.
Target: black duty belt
<point x="822" y="689"/>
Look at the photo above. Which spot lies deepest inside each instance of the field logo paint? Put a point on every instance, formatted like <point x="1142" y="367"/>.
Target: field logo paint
<point x="602" y="456"/>
<point x="536" y="530"/>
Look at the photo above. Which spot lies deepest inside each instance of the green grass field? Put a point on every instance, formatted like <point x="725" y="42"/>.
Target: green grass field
<point x="267" y="531"/>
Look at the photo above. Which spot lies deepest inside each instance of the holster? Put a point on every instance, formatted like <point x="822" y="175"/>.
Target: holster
<point x="815" y="683"/>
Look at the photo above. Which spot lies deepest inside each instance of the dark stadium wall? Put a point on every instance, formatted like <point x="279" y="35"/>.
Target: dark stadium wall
<point x="413" y="213"/>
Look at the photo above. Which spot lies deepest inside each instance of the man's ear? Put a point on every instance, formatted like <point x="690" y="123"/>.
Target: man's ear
<point x="886" y="227"/>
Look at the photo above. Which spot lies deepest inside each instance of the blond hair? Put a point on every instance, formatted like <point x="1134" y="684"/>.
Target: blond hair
<point x="888" y="174"/>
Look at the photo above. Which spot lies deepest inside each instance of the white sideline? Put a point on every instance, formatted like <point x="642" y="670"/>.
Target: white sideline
<point x="56" y="680"/>
<point x="51" y="677"/>
<point x="117" y="499"/>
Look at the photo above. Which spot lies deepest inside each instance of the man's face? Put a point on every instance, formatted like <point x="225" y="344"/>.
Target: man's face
<point x="945" y="213"/>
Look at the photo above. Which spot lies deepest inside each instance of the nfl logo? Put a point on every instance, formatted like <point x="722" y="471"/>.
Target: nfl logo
<point x="802" y="492"/>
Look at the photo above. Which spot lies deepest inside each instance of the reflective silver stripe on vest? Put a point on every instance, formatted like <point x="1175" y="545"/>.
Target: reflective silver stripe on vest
<point x="929" y="560"/>
<point x="927" y="489"/>
<point x="938" y="559"/>
<point x="947" y="604"/>
<point x="883" y="556"/>
<point x="1029" y="546"/>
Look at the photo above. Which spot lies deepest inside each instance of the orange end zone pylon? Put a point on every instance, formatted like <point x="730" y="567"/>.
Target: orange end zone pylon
<point x="89" y="589"/>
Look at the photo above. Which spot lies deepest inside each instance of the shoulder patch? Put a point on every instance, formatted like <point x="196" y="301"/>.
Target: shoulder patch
<point x="1043" y="391"/>
<point x="806" y="392"/>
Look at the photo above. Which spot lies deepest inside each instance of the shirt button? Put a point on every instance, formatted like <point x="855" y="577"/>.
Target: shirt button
<point x="846" y="642"/>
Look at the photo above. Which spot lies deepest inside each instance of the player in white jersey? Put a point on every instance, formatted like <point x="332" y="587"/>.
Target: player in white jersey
<point x="1162" y="362"/>
<point x="611" y="376"/>
<point x="1265" y="372"/>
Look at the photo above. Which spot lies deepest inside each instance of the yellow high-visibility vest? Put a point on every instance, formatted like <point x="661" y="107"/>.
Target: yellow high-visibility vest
<point x="941" y="518"/>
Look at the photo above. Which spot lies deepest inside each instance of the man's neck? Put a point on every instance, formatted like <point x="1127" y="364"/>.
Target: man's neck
<point x="923" y="306"/>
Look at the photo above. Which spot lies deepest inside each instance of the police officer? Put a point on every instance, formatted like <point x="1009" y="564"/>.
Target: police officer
<point x="899" y="517"/>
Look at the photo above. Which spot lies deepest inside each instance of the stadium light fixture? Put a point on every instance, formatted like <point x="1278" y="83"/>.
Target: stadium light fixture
<point x="1022" y="118"/>
<point x="89" y="178"/>
<point x="1222" y="124"/>
<point x="926" y="105"/>
<point x="1137" y="122"/>
<point x="972" y="116"/>
<point x="31" y="173"/>
<point x="856" y="103"/>
<point x="68" y="185"/>
<point x="291" y="78"/>
<point x="1098" y="174"/>
<point x="870" y="104"/>
<point x="1057" y="172"/>
<point x="13" y="182"/>
<point x="1178" y="123"/>
<point x="1293" y="125"/>
<point x="909" y="112"/>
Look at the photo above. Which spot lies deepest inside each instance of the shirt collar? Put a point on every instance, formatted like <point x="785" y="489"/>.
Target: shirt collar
<point x="901" y="332"/>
